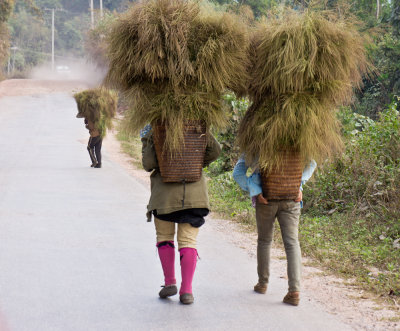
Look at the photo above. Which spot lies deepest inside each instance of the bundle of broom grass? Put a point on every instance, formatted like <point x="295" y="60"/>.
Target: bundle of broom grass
<point x="98" y="106"/>
<point x="173" y="60"/>
<point x="303" y="65"/>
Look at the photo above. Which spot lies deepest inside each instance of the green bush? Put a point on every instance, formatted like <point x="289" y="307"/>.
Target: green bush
<point x="227" y="198"/>
<point x="352" y="209"/>
<point x="227" y="138"/>
<point x="380" y="89"/>
<point x="366" y="177"/>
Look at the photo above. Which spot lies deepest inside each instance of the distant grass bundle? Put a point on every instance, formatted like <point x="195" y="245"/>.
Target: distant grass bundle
<point x="98" y="106"/>
<point x="173" y="61"/>
<point x="302" y="67"/>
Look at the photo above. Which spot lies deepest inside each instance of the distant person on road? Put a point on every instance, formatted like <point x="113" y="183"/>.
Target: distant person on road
<point x="182" y="205"/>
<point x="94" y="144"/>
<point x="288" y="213"/>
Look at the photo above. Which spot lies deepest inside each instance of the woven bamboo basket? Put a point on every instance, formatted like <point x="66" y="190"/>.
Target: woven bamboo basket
<point x="185" y="164"/>
<point x="284" y="183"/>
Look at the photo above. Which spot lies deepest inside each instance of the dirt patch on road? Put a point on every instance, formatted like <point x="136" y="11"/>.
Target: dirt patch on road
<point x="16" y="87"/>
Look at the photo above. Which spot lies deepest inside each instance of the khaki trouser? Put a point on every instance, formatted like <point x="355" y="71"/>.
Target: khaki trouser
<point x="186" y="237"/>
<point x="288" y="213"/>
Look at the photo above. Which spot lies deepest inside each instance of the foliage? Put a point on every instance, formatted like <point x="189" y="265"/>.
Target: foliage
<point x="227" y="137"/>
<point x="302" y="67"/>
<point x="81" y="6"/>
<point x="174" y="59"/>
<point x="6" y="7"/>
<point x="96" y="41"/>
<point x="130" y="145"/>
<point x="227" y="198"/>
<point x="258" y="7"/>
<point x="380" y="90"/>
<point x="395" y="18"/>
<point x="360" y="247"/>
<point x="30" y="37"/>
<point x="98" y="106"/>
<point x="366" y="178"/>
<point x="4" y="42"/>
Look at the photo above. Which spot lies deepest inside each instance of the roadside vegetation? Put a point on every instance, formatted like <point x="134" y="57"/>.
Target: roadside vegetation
<point x="130" y="145"/>
<point x="351" y="220"/>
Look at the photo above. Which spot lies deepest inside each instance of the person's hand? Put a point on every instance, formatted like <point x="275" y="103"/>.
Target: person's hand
<point x="299" y="196"/>
<point x="261" y="199"/>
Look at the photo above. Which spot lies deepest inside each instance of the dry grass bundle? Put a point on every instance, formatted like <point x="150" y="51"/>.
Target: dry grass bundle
<point x="161" y="103"/>
<point x="149" y="43"/>
<point x="98" y="106"/>
<point x="218" y="49"/>
<point x="297" y="122"/>
<point x="302" y="67"/>
<point x="171" y="40"/>
<point x="4" y="42"/>
<point x="173" y="60"/>
<point x="307" y="52"/>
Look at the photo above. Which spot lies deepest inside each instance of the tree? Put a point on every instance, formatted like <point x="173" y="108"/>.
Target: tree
<point x="395" y="18"/>
<point x="259" y="7"/>
<point x="31" y="37"/>
<point x="6" y="7"/>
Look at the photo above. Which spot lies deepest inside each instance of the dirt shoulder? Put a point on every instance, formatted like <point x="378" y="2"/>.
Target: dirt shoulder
<point x="359" y="309"/>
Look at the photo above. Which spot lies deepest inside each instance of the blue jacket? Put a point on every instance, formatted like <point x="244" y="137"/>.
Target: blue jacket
<point x="252" y="183"/>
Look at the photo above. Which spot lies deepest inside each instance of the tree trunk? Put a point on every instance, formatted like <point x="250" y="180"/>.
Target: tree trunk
<point x="377" y="9"/>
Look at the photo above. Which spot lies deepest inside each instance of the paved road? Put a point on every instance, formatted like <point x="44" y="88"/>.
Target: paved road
<point x="76" y="253"/>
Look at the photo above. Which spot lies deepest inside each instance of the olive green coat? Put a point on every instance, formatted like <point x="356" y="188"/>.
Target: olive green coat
<point x="169" y="197"/>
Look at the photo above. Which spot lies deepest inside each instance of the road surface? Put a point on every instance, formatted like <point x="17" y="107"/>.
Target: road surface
<point x="77" y="254"/>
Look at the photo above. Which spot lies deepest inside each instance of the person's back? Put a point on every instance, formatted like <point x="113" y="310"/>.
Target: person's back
<point x="277" y="195"/>
<point x="182" y="203"/>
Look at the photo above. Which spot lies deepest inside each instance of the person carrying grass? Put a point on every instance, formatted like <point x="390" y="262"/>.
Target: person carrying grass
<point x="94" y="144"/>
<point x="98" y="107"/>
<point x="270" y="206"/>
<point x="182" y="203"/>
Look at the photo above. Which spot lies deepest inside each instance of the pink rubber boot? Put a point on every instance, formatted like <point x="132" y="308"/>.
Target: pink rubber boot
<point x="188" y="266"/>
<point x="166" y="251"/>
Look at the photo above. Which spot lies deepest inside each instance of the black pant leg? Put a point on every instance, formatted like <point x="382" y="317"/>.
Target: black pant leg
<point x="97" y="148"/>
<point x="90" y="149"/>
